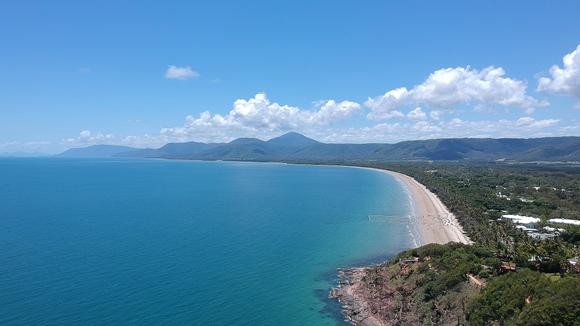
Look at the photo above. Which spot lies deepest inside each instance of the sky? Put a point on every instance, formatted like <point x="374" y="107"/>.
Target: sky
<point x="144" y="73"/>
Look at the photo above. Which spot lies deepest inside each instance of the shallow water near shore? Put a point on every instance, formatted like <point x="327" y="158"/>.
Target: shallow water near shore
<point x="122" y="241"/>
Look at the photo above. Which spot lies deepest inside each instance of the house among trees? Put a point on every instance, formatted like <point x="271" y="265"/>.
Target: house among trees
<point x="573" y="266"/>
<point x="508" y="267"/>
<point x="406" y="261"/>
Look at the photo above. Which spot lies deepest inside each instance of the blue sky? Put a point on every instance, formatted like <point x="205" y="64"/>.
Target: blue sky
<point x="142" y="73"/>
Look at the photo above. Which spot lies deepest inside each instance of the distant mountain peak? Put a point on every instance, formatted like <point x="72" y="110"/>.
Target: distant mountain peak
<point x="292" y="139"/>
<point x="296" y="147"/>
<point x="246" y="141"/>
<point x="292" y="134"/>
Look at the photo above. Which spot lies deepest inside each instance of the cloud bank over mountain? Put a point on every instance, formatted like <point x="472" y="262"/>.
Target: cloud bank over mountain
<point x="447" y="88"/>
<point x="434" y="108"/>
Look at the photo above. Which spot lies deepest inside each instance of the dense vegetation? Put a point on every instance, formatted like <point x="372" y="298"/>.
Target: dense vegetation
<point x="471" y="193"/>
<point x="438" y="288"/>
<point x="528" y="298"/>
<point x="442" y="286"/>
<point x="430" y="290"/>
<point x="293" y="146"/>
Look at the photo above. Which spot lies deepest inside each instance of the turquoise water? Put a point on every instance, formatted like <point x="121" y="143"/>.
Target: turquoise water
<point x="151" y="242"/>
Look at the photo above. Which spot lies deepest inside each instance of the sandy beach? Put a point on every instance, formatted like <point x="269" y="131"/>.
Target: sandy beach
<point x="435" y="223"/>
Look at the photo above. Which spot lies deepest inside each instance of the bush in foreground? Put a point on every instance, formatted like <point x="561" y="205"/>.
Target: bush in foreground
<point x="528" y="298"/>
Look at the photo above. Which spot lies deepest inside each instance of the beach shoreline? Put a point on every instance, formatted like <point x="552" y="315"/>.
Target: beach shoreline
<point x="433" y="220"/>
<point x="434" y="223"/>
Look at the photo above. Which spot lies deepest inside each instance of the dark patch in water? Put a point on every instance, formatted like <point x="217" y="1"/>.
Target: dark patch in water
<point x="331" y="308"/>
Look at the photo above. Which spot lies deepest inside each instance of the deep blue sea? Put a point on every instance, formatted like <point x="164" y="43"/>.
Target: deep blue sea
<point x="159" y="242"/>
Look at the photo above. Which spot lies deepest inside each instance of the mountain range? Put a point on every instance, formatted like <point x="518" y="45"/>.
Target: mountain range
<point x="296" y="147"/>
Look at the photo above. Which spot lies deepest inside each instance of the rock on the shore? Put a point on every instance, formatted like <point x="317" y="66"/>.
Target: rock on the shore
<point x="350" y="293"/>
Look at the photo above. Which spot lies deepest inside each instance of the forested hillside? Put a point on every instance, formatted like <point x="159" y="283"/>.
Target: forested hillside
<point x="508" y="277"/>
<point x="294" y="146"/>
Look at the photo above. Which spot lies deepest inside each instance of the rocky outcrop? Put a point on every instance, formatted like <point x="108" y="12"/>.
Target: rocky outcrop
<point x="352" y="294"/>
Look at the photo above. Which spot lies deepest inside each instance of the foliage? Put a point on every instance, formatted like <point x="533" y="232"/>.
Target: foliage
<point x="471" y="191"/>
<point x="426" y="285"/>
<point x="527" y="298"/>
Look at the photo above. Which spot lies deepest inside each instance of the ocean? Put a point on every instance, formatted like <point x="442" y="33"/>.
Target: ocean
<point x="167" y="242"/>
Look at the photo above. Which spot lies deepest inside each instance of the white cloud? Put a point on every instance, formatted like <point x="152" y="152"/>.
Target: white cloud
<point x="331" y="111"/>
<point x="181" y="73"/>
<point x="395" y="132"/>
<point x="565" y="80"/>
<point x="417" y="114"/>
<point x="216" y="128"/>
<point x="435" y="115"/>
<point x="383" y="106"/>
<point x="259" y="116"/>
<point x="529" y="122"/>
<point x="395" y="114"/>
<point x="446" y="88"/>
<point x="427" y="127"/>
<point x="88" y="137"/>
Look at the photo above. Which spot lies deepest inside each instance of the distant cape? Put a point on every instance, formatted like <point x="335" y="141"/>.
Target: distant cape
<point x="296" y="147"/>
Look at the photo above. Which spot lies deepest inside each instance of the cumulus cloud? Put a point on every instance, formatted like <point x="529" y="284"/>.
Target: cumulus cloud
<point x="435" y="115"/>
<point x="424" y="129"/>
<point x="443" y="91"/>
<point x="205" y="128"/>
<point x="530" y="122"/>
<point x="88" y="137"/>
<point x="181" y="73"/>
<point x="395" y="114"/>
<point x="446" y="88"/>
<point x="417" y="114"/>
<point x="564" y="80"/>
<point x="259" y="116"/>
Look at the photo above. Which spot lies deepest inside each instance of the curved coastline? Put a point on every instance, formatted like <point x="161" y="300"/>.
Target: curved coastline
<point x="433" y="221"/>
